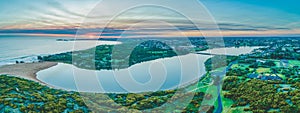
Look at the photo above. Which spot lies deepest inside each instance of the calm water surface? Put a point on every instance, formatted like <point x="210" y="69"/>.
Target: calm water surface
<point x="27" y="48"/>
<point x="160" y="74"/>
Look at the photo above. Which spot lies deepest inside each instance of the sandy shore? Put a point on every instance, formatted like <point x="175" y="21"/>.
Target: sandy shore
<point x="26" y="70"/>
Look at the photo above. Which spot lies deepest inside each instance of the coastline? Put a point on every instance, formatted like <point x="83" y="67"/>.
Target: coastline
<point x="27" y="70"/>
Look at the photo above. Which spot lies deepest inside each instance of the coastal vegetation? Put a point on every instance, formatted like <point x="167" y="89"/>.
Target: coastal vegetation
<point x="166" y="101"/>
<point x="265" y="80"/>
<point x="105" y="57"/>
<point x="117" y="56"/>
<point x="20" y="95"/>
<point x="218" y="61"/>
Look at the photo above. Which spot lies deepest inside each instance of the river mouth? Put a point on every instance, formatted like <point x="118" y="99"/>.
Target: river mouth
<point x="143" y="77"/>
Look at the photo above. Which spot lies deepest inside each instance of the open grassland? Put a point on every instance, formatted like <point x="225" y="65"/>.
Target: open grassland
<point x="263" y="70"/>
<point x="294" y="63"/>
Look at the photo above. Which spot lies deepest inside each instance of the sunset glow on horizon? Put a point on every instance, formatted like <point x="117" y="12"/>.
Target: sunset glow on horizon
<point x="64" y="18"/>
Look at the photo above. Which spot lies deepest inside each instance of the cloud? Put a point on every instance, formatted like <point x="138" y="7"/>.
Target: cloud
<point x="244" y="27"/>
<point x="155" y="29"/>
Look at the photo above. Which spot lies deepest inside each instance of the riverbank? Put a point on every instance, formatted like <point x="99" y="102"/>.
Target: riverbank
<point x="26" y="70"/>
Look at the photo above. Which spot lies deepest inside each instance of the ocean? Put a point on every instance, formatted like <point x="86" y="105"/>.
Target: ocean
<point x="26" y="49"/>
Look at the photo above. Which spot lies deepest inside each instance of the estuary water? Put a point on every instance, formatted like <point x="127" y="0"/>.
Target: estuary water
<point x="14" y="48"/>
<point x="160" y="74"/>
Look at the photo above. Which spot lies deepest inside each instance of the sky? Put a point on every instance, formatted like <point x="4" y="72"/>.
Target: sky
<point x="109" y="18"/>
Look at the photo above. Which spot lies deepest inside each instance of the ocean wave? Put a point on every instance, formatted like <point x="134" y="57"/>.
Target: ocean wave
<point x="23" y="59"/>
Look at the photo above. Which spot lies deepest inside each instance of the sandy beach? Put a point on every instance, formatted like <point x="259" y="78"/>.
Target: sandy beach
<point x="26" y="70"/>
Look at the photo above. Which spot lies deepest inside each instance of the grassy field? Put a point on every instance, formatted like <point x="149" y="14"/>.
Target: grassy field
<point x="238" y="110"/>
<point x="201" y="86"/>
<point x="240" y="65"/>
<point x="263" y="70"/>
<point x="198" y="88"/>
<point x="226" y="103"/>
<point x="294" y="63"/>
<point x="277" y="62"/>
<point x="212" y="89"/>
<point x="235" y="66"/>
<point x="282" y="76"/>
